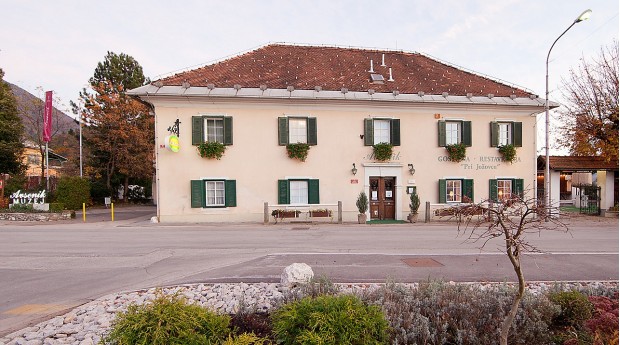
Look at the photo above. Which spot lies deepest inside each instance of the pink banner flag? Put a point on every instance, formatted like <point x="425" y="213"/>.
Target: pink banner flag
<point x="47" y="117"/>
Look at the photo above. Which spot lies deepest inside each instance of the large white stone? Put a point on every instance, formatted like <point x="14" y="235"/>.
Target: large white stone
<point x="295" y="274"/>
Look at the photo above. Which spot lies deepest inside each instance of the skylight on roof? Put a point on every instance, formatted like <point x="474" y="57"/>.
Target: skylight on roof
<point x="377" y="78"/>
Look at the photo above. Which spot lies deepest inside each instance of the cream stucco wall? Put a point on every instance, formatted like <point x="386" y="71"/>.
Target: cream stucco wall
<point x="256" y="161"/>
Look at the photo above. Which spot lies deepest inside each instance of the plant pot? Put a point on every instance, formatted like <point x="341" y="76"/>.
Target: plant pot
<point x="361" y="218"/>
<point x="288" y="214"/>
<point x="412" y="217"/>
<point x="320" y="214"/>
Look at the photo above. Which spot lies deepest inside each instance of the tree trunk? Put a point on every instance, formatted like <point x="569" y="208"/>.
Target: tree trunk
<point x="126" y="189"/>
<point x="507" y="323"/>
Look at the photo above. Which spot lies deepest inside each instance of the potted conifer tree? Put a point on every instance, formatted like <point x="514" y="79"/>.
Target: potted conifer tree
<point x="414" y="205"/>
<point x="362" y="207"/>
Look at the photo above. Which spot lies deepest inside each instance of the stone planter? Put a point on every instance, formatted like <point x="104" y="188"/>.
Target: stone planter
<point x="412" y="217"/>
<point x="361" y="218"/>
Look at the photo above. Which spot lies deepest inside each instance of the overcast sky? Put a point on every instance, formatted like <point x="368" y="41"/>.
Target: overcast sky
<point x="55" y="45"/>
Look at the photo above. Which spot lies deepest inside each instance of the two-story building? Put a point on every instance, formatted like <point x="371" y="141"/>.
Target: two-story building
<point x="340" y="102"/>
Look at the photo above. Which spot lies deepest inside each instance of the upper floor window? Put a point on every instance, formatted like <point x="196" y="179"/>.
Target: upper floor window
<point x="454" y="132"/>
<point x="212" y="129"/>
<point x="292" y="130"/>
<point x="505" y="133"/>
<point x="381" y="131"/>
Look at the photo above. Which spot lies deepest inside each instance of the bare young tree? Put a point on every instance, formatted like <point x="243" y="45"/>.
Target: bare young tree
<point x="512" y="218"/>
<point x="591" y="116"/>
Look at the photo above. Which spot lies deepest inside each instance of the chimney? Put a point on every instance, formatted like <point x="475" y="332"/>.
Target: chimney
<point x="391" y="79"/>
<point x="371" y="69"/>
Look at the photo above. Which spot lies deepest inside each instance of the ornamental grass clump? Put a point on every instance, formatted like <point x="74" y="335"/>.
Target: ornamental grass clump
<point x="167" y="320"/>
<point x="337" y="320"/>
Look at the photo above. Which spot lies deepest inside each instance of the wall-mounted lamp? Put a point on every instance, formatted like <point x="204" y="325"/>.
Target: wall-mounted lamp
<point x="354" y="170"/>
<point x="411" y="169"/>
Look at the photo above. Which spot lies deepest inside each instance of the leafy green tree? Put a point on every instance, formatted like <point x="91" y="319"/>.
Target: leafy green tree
<point x="120" y="131"/>
<point x="11" y="132"/>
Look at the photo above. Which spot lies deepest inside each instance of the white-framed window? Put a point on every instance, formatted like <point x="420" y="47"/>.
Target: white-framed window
<point x="299" y="192"/>
<point x="453" y="133"/>
<point x="504" y="133"/>
<point x="214" y="130"/>
<point x="215" y="193"/>
<point x="453" y="190"/>
<point x="297" y="130"/>
<point x="504" y="189"/>
<point x="381" y="131"/>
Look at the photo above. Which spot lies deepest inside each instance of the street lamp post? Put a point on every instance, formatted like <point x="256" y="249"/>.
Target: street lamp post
<point x="583" y="16"/>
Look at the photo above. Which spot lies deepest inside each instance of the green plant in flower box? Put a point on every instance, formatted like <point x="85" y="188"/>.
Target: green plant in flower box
<point x="508" y="152"/>
<point x="382" y="151"/>
<point x="211" y="149"/>
<point x="457" y="152"/>
<point x="298" y="151"/>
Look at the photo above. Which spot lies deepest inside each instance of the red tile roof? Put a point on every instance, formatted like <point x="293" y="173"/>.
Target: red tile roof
<point x="577" y="163"/>
<point x="278" y="66"/>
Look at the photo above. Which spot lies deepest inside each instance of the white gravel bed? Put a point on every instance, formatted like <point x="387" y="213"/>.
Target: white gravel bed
<point x="86" y="324"/>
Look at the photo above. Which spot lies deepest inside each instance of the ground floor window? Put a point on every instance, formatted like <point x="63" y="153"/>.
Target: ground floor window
<point x="456" y="190"/>
<point x="213" y="193"/>
<point x="504" y="188"/>
<point x="298" y="192"/>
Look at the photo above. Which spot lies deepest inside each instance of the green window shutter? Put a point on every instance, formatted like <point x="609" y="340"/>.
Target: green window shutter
<point x="468" y="189"/>
<point x="311" y="128"/>
<point x="230" y="190"/>
<point x="282" y="131"/>
<point x="517" y="186"/>
<point x="517" y="134"/>
<point x="442" y="191"/>
<point x="313" y="192"/>
<point x="197" y="193"/>
<point x="369" y="132"/>
<point x="493" y="190"/>
<point x="442" y="134"/>
<point x="228" y="130"/>
<point x="466" y="127"/>
<point x="283" y="192"/>
<point x="395" y="132"/>
<point x="197" y="130"/>
<point x="494" y="134"/>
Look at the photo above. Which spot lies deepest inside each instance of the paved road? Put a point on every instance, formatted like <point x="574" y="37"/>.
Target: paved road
<point x="47" y="268"/>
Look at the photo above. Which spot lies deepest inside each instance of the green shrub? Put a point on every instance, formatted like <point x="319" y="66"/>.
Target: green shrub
<point x="457" y="152"/>
<point x="57" y="207"/>
<point x="439" y="313"/>
<point x="23" y="208"/>
<point x="575" y="308"/>
<point x="362" y="202"/>
<point x="72" y="192"/>
<point x="167" y="320"/>
<point x="337" y="320"/>
<point x="246" y="339"/>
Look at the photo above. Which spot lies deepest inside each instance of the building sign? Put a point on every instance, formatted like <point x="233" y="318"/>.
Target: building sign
<point x="479" y="163"/>
<point x="28" y="198"/>
<point x="172" y="143"/>
<point x="354" y="181"/>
